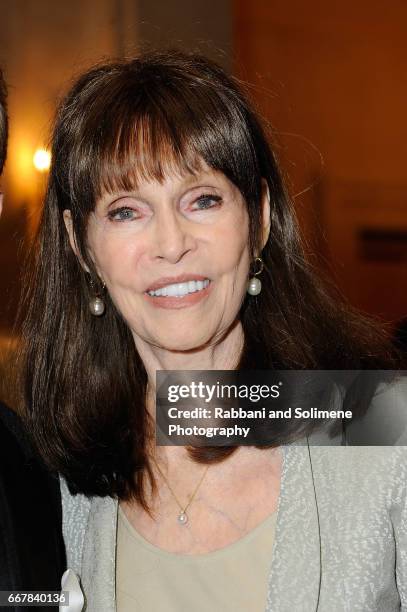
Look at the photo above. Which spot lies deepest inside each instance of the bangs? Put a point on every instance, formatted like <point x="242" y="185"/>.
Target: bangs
<point x="145" y="127"/>
<point x="146" y="149"/>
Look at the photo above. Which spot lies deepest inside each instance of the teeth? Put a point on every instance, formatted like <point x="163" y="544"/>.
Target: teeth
<point x="180" y="289"/>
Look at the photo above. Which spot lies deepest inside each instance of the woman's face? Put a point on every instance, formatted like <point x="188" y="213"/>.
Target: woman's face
<point x="174" y="257"/>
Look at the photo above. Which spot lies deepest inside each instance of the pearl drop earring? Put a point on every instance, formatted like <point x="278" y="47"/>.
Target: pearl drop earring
<point x="254" y="284"/>
<point x="96" y="304"/>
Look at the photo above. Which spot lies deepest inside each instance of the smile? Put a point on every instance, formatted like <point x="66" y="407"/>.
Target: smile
<point x="180" y="290"/>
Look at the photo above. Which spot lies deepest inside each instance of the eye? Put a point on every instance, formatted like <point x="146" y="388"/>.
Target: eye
<point x="123" y="213"/>
<point x="206" y="201"/>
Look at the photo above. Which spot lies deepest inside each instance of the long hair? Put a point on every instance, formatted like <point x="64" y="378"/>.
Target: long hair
<point x="84" y="382"/>
<point x="3" y="122"/>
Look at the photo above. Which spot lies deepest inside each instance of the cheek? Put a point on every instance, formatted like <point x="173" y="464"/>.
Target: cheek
<point x="233" y="247"/>
<point x="116" y="259"/>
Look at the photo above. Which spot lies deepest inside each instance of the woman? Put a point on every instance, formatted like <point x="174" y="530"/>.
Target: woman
<point x="164" y="200"/>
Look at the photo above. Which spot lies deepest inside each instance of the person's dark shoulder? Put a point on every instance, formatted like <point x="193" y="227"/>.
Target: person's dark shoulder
<point x="19" y="456"/>
<point x="32" y="553"/>
<point x="9" y="418"/>
<point x="11" y="426"/>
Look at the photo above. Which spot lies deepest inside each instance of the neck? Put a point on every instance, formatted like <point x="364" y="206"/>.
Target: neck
<point x="222" y="355"/>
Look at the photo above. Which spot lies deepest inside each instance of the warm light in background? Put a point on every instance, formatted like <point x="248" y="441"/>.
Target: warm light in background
<point x="42" y="160"/>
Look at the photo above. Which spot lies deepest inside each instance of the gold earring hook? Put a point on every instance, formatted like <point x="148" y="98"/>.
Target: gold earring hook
<point x="258" y="262"/>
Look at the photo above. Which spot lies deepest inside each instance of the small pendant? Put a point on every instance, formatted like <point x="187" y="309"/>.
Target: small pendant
<point x="182" y="518"/>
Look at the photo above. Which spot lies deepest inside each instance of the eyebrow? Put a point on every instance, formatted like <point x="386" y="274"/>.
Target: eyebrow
<point x="188" y="181"/>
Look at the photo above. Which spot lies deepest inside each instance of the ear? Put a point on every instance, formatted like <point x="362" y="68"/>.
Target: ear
<point x="72" y="239"/>
<point x="265" y="209"/>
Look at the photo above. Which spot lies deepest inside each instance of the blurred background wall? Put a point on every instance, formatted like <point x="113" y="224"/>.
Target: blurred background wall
<point x="329" y="77"/>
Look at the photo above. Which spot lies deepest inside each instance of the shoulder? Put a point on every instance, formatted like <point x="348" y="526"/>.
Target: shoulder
<point x="8" y="416"/>
<point x="35" y="534"/>
<point x="385" y="422"/>
<point x="10" y="423"/>
<point x="351" y="465"/>
<point x="361" y="480"/>
<point x="19" y="459"/>
<point x="13" y="430"/>
<point x="351" y="476"/>
<point x="360" y="461"/>
<point x="17" y="453"/>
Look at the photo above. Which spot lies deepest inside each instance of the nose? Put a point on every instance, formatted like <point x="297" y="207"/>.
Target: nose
<point x="172" y="236"/>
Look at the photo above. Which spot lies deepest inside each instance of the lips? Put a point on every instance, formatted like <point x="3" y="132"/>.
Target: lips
<point x="171" y="280"/>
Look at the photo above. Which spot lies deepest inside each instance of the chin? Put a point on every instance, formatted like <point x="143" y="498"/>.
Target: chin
<point x="182" y="341"/>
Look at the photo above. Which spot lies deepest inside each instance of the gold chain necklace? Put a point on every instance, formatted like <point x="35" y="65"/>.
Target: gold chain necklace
<point x="182" y="517"/>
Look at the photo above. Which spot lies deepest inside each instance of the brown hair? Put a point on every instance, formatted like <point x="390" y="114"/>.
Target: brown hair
<point x="3" y="122"/>
<point x="120" y="122"/>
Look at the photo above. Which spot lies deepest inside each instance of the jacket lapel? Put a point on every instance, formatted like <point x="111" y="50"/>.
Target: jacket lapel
<point x="294" y="580"/>
<point x="99" y="556"/>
